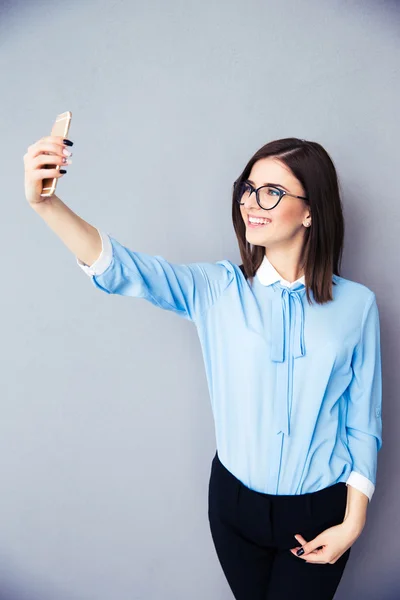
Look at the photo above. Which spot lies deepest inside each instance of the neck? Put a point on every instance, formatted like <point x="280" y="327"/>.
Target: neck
<point x="286" y="263"/>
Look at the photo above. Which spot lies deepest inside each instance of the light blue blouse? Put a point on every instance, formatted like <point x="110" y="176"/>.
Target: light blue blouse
<point x="295" y="389"/>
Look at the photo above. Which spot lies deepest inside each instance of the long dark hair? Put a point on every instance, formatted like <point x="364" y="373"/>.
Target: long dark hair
<point x="323" y="241"/>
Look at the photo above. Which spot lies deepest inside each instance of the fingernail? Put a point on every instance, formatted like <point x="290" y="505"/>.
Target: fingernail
<point x="63" y="171"/>
<point x="68" y="142"/>
<point x="300" y="552"/>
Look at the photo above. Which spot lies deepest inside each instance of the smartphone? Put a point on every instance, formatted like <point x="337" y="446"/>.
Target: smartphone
<point x="60" y="127"/>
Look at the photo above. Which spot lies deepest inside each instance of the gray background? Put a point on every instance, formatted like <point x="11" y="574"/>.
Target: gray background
<point x="106" y="431"/>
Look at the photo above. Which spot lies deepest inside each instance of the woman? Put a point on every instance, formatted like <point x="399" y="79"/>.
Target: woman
<point x="292" y="358"/>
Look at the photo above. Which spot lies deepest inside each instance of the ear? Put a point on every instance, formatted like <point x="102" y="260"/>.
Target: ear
<point x="307" y="219"/>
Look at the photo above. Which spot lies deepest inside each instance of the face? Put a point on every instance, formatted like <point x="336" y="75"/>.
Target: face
<point x="285" y="222"/>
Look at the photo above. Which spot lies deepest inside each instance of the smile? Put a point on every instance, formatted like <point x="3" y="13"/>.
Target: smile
<point x="254" y="222"/>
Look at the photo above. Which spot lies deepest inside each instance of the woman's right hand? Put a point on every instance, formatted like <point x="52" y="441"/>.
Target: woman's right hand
<point x="46" y="151"/>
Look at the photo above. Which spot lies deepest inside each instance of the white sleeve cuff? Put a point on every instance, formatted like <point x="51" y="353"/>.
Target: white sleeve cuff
<point x="103" y="261"/>
<point x="362" y="483"/>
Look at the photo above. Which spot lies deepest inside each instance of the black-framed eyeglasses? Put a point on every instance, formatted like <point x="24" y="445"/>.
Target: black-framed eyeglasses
<point x="267" y="196"/>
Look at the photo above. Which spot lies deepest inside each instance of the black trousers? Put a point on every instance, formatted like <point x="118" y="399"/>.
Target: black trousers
<point x="253" y="533"/>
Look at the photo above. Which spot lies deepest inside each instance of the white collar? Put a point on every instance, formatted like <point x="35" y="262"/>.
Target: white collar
<point x="267" y="274"/>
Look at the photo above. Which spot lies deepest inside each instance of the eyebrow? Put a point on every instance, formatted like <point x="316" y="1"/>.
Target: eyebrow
<point x="275" y="184"/>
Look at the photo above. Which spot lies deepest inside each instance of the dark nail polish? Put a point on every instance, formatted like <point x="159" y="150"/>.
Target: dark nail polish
<point x="63" y="171"/>
<point x="68" y="142"/>
<point x="300" y="552"/>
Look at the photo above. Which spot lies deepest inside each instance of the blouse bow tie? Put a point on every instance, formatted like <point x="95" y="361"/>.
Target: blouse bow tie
<point x="287" y="318"/>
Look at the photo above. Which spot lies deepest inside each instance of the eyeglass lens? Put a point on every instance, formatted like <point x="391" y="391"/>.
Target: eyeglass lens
<point x="268" y="195"/>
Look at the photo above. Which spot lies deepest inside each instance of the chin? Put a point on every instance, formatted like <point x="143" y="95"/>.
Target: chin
<point x="256" y="241"/>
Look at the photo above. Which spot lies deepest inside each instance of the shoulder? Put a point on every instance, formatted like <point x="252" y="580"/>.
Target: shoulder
<point x="229" y="266"/>
<point x="354" y="289"/>
<point x="221" y="270"/>
<point x="237" y="270"/>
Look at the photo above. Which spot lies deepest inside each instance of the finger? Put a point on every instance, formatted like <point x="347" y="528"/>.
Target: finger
<point x="302" y="541"/>
<point x="294" y="551"/>
<point x="40" y="174"/>
<point x="316" y="561"/>
<point x="314" y="544"/>
<point x="58" y="139"/>
<point x="300" y="538"/>
<point x="308" y="552"/>
<point x="319" y="556"/>
<point x="42" y="160"/>
<point x="45" y="148"/>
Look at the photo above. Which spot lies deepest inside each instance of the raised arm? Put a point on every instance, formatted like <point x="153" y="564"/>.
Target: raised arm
<point x="79" y="236"/>
<point x="187" y="289"/>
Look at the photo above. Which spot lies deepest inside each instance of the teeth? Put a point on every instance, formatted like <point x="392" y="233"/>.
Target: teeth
<point x="253" y="220"/>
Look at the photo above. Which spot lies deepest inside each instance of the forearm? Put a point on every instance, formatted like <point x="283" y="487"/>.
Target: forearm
<point x="356" y="509"/>
<point x="79" y="236"/>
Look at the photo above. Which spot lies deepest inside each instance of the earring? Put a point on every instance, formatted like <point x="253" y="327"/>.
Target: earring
<point x="307" y="224"/>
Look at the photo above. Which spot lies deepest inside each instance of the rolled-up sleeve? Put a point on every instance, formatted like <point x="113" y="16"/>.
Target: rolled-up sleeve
<point x="364" y="419"/>
<point x="186" y="289"/>
<point x="104" y="259"/>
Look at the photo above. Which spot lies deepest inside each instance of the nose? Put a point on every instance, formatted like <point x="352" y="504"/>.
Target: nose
<point x="251" y="201"/>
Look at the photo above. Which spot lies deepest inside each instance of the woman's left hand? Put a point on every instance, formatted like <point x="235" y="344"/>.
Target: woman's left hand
<point x="328" y="546"/>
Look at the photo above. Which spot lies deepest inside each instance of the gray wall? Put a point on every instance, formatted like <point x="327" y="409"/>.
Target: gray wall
<point x="106" y="432"/>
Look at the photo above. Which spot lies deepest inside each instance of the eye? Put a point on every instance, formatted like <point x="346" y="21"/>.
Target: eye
<point x="272" y="191"/>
